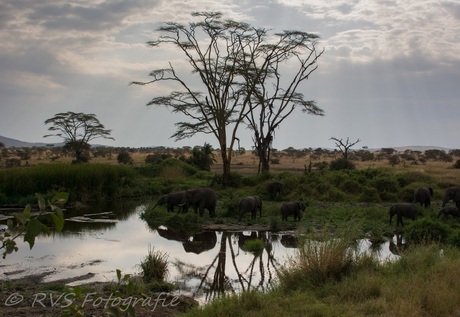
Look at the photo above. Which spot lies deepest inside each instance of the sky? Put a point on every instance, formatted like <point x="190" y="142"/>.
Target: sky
<point x="389" y="75"/>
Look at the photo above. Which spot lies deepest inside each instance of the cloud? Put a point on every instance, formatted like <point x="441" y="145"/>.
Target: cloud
<point x="386" y="29"/>
<point x="386" y="60"/>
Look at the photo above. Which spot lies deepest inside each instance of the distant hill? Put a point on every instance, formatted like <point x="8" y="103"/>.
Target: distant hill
<point x="414" y="148"/>
<point x="8" y="142"/>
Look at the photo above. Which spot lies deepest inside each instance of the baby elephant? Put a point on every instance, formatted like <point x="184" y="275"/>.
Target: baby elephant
<point x="449" y="210"/>
<point x="292" y="208"/>
<point x="403" y="210"/>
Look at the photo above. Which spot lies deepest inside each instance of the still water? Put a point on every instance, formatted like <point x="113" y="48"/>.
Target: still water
<point x="95" y="242"/>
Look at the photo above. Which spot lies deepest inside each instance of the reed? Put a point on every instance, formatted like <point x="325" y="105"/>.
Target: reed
<point x="82" y="181"/>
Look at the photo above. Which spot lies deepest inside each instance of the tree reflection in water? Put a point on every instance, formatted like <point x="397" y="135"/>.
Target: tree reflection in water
<point x="214" y="279"/>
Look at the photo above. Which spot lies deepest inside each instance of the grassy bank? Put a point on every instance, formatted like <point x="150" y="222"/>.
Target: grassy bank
<point x="326" y="281"/>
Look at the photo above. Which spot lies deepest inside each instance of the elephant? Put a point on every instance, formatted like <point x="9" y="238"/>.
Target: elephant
<point x="171" y="200"/>
<point x="449" y="210"/>
<point x="422" y="195"/>
<point x="201" y="198"/>
<point x="275" y="188"/>
<point x="250" y="204"/>
<point x="292" y="208"/>
<point x="403" y="210"/>
<point x="452" y="193"/>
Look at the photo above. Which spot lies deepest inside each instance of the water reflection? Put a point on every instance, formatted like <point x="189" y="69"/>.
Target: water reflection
<point x="203" y="264"/>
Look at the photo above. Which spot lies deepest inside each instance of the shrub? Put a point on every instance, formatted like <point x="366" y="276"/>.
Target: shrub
<point x="426" y="230"/>
<point x="341" y="164"/>
<point x="351" y="186"/>
<point x="155" y="266"/>
<point x="255" y="246"/>
<point x="369" y="194"/>
<point x="407" y="178"/>
<point x="124" y="158"/>
<point x="235" y="180"/>
<point x="454" y="238"/>
<point x="457" y="164"/>
<point x="385" y="184"/>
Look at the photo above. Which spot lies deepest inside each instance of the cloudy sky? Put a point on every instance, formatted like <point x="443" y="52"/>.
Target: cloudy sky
<point x="390" y="73"/>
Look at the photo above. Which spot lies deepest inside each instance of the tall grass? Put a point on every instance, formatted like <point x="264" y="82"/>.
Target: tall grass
<point x="321" y="258"/>
<point x="82" y="181"/>
<point x="155" y="266"/>
<point x="425" y="282"/>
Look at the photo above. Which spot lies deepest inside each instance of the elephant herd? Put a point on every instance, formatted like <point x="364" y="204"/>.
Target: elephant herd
<point x="206" y="198"/>
<point x="422" y="196"/>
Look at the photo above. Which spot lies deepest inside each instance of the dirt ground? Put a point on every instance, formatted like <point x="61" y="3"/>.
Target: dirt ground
<point x="31" y="297"/>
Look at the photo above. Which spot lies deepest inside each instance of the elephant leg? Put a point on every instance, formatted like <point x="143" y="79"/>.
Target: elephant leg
<point x="201" y="207"/>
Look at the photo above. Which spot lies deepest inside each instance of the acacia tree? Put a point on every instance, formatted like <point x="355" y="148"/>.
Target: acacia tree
<point x="221" y="106"/>
<point x="273" y="96"/>
<point x="77" y="130"/>
<point x="344" y="146"/>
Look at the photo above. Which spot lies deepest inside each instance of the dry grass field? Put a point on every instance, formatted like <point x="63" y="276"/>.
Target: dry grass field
<point x="247" y="163"/>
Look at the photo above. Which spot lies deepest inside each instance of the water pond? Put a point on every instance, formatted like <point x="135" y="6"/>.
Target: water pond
<point x="97" y="241"/>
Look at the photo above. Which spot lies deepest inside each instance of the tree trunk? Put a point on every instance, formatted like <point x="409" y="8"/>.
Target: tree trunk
<point x="263" y="151"/>
<point x="226" y="161"/>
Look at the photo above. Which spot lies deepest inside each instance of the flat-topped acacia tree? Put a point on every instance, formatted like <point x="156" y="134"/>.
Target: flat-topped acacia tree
<point x="77" y="130"/>
<point x="230" y="62"/>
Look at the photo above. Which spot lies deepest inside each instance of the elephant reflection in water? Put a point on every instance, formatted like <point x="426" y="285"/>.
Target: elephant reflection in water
<point x="214" y="278"/>
<point x="398" y="247"/>
<point x="201" y="242"/>
<point x="196" y="243"/>
<point x="289" y="241"/>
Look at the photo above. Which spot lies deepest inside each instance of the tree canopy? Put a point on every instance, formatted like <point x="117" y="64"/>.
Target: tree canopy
<point x="231" y="65"/>
<point x="77" y="130"/>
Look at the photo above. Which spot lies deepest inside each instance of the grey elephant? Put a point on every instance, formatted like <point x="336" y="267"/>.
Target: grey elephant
<point x="200" y="199"/>
<point x="401" y="210"/>
<point x="292" y="208"/>
<point x="250" y="204"/>
<point x="449" y="210"/>
<point x="171" y="200"/>
<point x="275" y="188"/>
<point x="452" y="193"/>
<point x="422" y="195"/>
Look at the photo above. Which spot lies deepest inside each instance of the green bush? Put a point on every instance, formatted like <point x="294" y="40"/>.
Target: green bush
<point x="351" y="186"/>
<point x="341" y="164"/>
<point x="426" y="230"/>
<point x="454" y="238"/>
<point x="410" y="177"/>
<point x="369" y="194"/>
<point x="385" y="184"/>
<point x="124" y="158"/>
<point x="255" y="246"/>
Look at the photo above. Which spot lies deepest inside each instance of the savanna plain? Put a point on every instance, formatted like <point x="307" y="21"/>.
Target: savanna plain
<point x="329" y="276"/>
